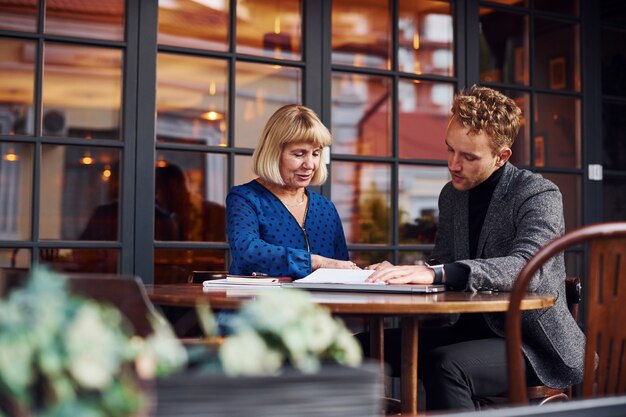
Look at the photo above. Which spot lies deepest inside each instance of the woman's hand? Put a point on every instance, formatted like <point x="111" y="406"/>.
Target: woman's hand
<point x="323" y="262"/>
<point x="402" y="274"/>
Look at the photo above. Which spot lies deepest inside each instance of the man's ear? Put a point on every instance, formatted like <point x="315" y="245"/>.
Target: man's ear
<point x="503" y="155"/>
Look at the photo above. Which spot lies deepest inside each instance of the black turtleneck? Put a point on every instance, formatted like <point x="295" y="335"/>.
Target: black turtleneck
<point x="479" y="200"/>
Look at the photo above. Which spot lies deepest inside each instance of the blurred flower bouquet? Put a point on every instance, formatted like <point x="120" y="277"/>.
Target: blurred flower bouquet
<point x="62" y="355"/>
<point x="282" y="327"/>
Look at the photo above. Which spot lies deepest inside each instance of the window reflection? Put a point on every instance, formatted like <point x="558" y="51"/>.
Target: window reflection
<point x="521" y="146"/>
<point x="364" y="258"/>
<point x="570" y="7"/>
<point x="80" y="260"/>
<point x="79" y="190"/>
<point x="614" y="62"/>
<point x="361" y="114"/>
<point x="571" y="190"/>
<point x="361" y="193"/>
<point x="425" y="37"/>
<point x="192" y="100"/>
<point x="10" y="258"/>
<point x="82" y="91"/>
<point x="614" y="193"/>
<point x="86" y="19"/>
<point x="194" y="24"/>
<point x="18" y="15"/>
<point x="261" y="90"/>
<point x="557" y="69"/>
<point x="413" y="257"/>
<point x="173" y="266"/>
<point x="243" y="169"/>
<point x="614" y="136"/>
<point x="16" y="184"/>
<point x="423" y="112"/>
<point x="418" y="195"/>
<point x="503" y="42"/>
<point x="190" y="193"/>
<point x="17" y="81"/>
<point x="557" y="131"/>
<point x="361" y="33"/>
<point x="270" y="28"/>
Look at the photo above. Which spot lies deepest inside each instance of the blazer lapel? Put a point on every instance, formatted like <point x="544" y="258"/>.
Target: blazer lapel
<point x="496" y="206"/>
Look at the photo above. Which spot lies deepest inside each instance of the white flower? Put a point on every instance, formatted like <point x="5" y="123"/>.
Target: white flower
<point x="161" y="353"/>
<point x="246" y="353"/>
<point x="93" y="349"/>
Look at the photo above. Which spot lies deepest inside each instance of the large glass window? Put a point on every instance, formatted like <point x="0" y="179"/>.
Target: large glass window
<point x="270" y="28"/>
<point x="17" y="86"/>
<point x="192" y="100"/>
<point x="16" y="183"/>
<point x="82" y="91"/>
<point x="86" y="19"/>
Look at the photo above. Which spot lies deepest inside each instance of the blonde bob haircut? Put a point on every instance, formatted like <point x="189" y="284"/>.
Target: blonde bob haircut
<point x="290" y="123"/>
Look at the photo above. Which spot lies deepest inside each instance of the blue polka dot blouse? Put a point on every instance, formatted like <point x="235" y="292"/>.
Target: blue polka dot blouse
<point x="265" y="237"/>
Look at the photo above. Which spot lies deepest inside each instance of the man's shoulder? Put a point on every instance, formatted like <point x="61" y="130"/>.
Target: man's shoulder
<point x="524" y="179"/>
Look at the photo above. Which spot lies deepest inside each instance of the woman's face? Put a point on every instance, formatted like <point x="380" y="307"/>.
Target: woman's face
<point x="298" y="162"/>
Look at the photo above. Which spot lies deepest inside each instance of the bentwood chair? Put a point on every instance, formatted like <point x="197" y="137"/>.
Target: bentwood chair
<point x="605" y="311"/>
<point x="126" y="293"/>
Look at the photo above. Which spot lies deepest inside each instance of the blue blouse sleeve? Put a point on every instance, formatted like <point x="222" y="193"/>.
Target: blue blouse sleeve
<point x="341" y="249"/>
<point x="250" y="253"/>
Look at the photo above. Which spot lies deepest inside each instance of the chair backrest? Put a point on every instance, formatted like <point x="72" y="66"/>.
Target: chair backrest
<point x="125" y="292"/>
<point x="605" y="310"/>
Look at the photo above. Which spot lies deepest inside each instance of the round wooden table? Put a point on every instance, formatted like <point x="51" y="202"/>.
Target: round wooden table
<point x="375" y="306"/>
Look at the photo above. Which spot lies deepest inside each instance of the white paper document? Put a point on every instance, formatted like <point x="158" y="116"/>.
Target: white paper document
<point x="339" y="276"/>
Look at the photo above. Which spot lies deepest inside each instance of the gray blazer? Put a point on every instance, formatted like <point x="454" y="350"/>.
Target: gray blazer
<point x="526" y="212"/>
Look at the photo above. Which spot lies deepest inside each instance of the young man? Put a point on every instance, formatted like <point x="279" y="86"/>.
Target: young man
<point x="492" y="218"/>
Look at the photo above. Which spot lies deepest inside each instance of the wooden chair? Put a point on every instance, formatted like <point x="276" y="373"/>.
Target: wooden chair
<point x="125" y="292"/>
<point x="605" y="311"/>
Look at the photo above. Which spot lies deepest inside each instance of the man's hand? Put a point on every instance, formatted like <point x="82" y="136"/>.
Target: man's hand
<point x="403" y="274"/>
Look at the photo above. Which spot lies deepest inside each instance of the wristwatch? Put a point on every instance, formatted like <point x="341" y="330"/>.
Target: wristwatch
<point x="440" y="273"/>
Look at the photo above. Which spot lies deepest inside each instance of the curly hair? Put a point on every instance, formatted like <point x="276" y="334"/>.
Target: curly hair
<point x="483" y="109"/>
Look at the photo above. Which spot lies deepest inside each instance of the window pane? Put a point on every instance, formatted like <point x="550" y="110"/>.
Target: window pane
<point x="80" y="260"/>
<point x="86" y="19"/>
<point x="418" y="195"/>
<point x="613" y="11"/>
<point x="521" y="146"/>
<point x="426" y="37"/>
<point x="243" y="169"/>
<point x="361" y="193"/>
<point x="14" y="258"/>
<point x="423" y="112"/>
<point x="613" y="62"/>
<point x="413" y="257"/>
<point x="192" y="100"/>
<point x="268" y="28"/>
<point x="364" y="258"/>
<point x="570" y="7"/>
<point x="17" y="80"/>
<point x="361" y="114"/>
<point x="79" y="189"/>
<point x="503" y="42"/>
<point x="614" y="136"/>
<point x="16" y="184"/>
<point x="614" y="192"/>
<point x="82" y="91"/>
<point x="261" y="90"/>
<point x="18" y="15"/>
<point x="518" y="3"/>
<point x="173" y="266"/>
<point x="194" y="24"/>
<point x="571" y="190"/>
<point x="361" y="33"/>
<point x="557" y="131"/>
<point x="190" y="193"/>
<point x="557" y="68"/>
<point x="95" y="260"/>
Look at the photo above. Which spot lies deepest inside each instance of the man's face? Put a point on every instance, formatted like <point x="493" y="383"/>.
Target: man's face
<point x="470" y="158"/>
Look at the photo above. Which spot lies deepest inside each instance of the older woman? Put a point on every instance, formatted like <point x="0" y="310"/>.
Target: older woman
<point x="275" y="224"/>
